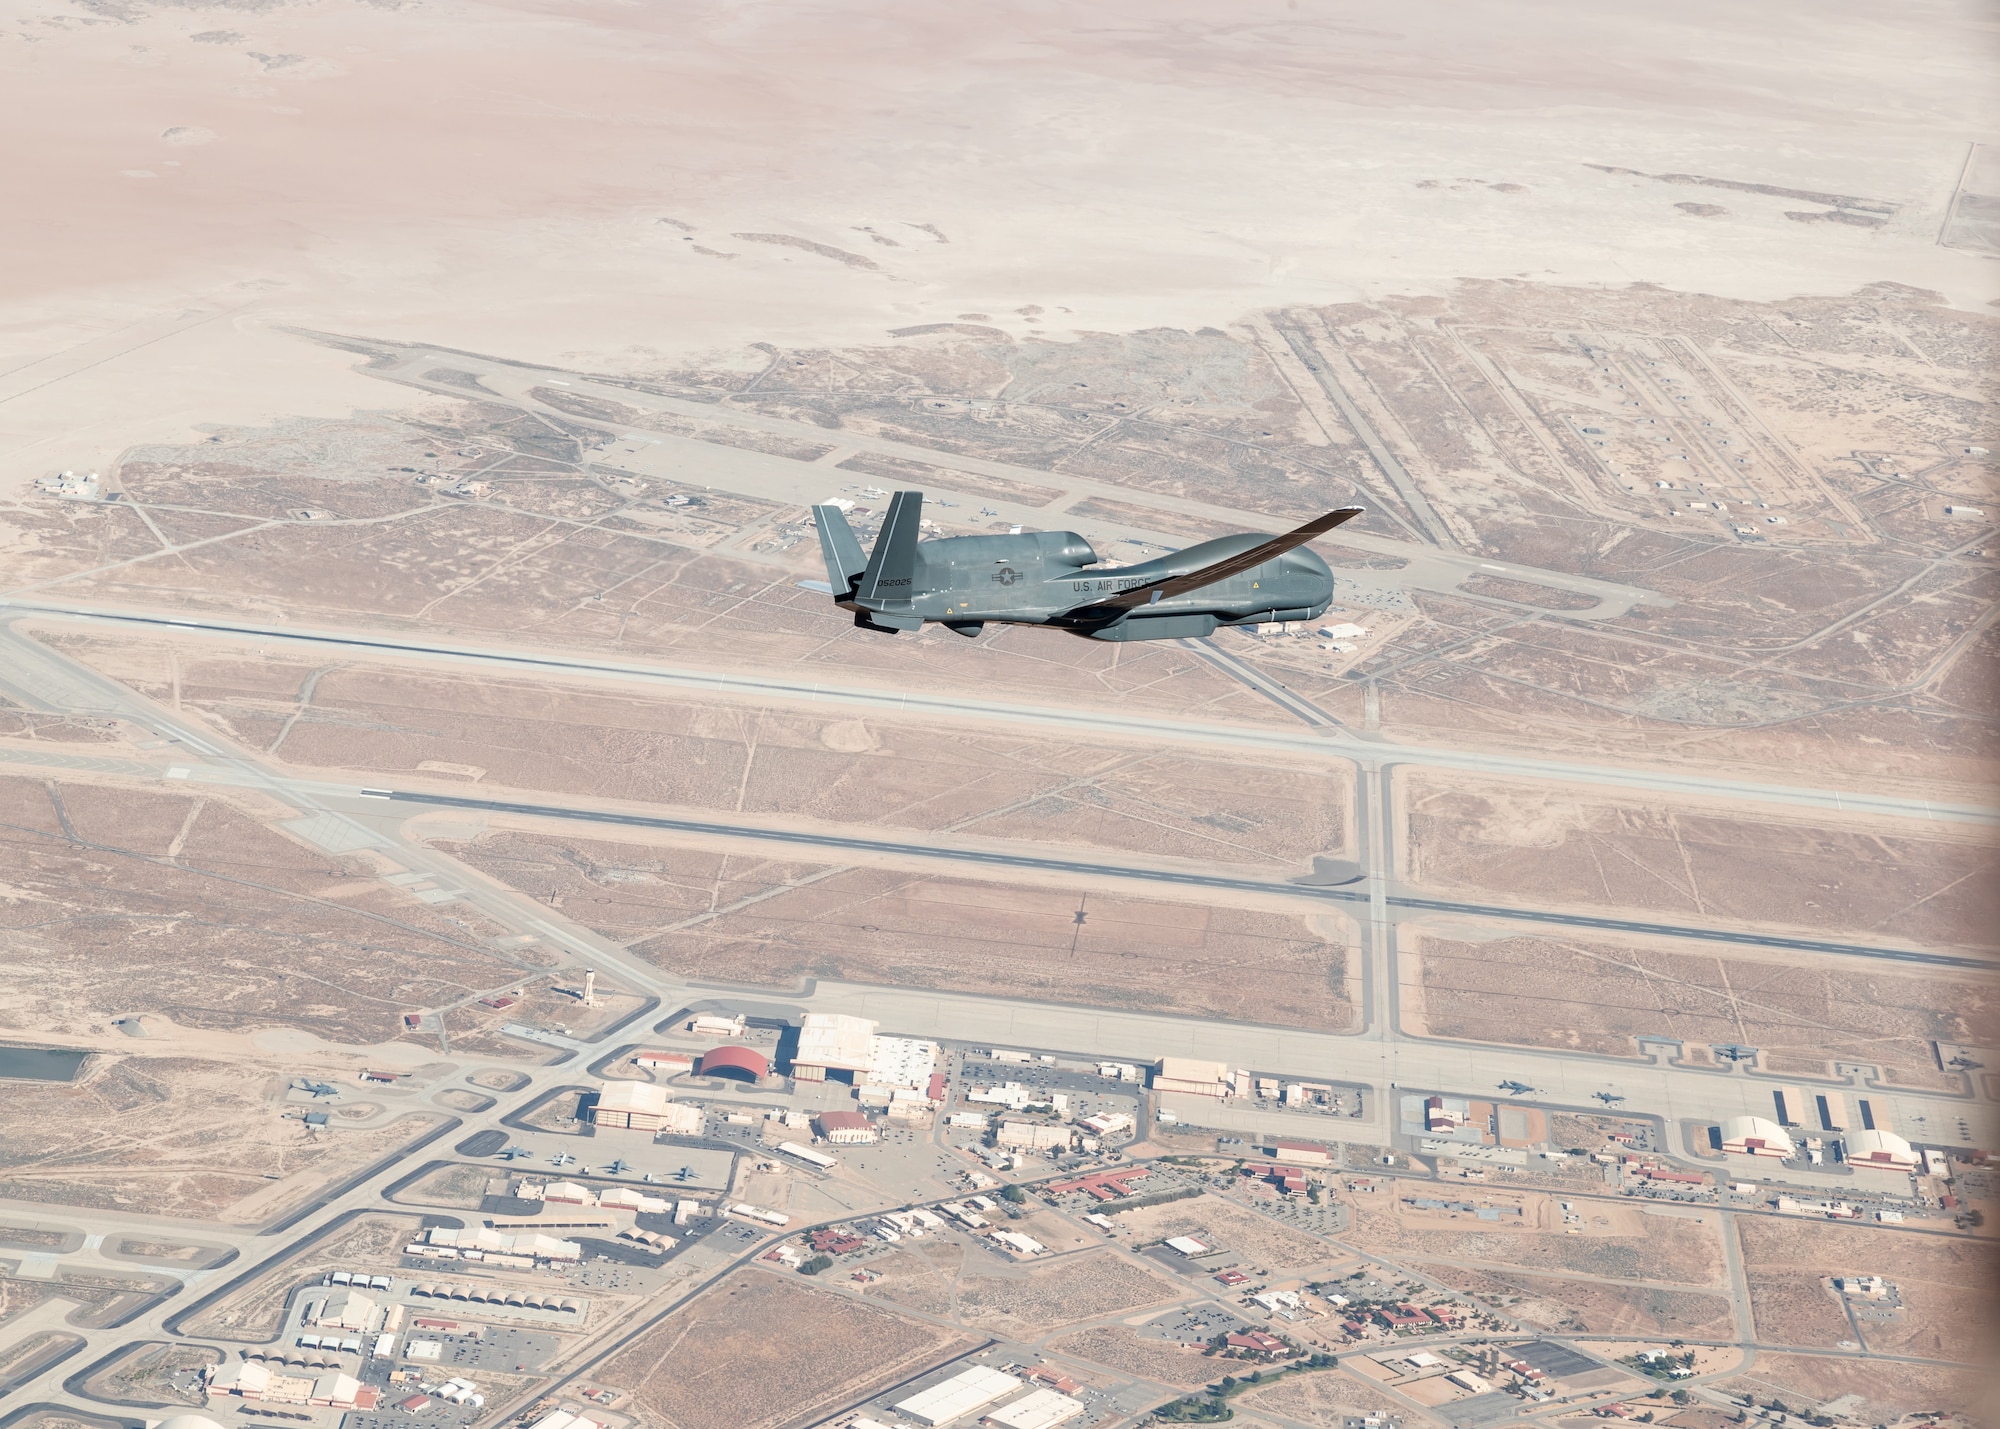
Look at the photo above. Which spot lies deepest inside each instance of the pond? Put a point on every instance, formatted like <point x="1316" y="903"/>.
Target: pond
<point x="41" y="1064"/>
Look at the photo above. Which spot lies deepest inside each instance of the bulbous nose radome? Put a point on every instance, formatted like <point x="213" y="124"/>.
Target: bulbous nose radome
<point x="1307" y="575"/>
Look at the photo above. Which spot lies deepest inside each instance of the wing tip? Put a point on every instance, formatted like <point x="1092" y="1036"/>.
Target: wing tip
<point x="1339" y="516"/>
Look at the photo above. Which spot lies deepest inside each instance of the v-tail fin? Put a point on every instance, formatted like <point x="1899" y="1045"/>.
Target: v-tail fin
<point x="890" y="577"/>
<point x="844" y="561"/>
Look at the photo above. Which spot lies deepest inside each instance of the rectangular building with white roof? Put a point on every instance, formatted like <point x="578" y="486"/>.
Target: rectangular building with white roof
<point x="1043" y="1409"/>
<point x="966" y="1393"/>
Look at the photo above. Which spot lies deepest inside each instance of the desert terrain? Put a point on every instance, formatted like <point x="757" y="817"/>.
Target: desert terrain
<point x="1802" y="1013"/>
<point x="420" y="729"/>
<point x="686" y="1372"/>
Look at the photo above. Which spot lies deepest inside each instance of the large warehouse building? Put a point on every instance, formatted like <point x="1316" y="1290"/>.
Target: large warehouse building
<point x="254" y="1381"/>
<point x="1191" y="1075"/>
<point x="963" y="1395"/>
<point x="1882" y="1149"/>
<point x="1755" y="1136"/>
<point x="641" y="1106"/>
<point x="847" y="1049"/>
<point x="830" y="1042"/>
<point x="346" y="1310"/>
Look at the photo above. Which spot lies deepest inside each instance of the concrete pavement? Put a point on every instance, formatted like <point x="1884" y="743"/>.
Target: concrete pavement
<point x="713" y="684"/>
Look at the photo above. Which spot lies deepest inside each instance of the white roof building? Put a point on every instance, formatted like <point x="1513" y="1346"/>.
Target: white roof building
<point x="1881" y="1148"/>
<point x="485" y="1238"/>
<point x="563" y="1419"/>
<point x="625" y="1198"/>
<point x="760" y="1213"/>
<point x="1755" y="1136"/>
<point x="905" y="1062"/>
<point x="833" y="1042"/>
<point x="1043" y="1409"/>
<point x="1187" y="1245"/>
<point x="965" y="1393"/>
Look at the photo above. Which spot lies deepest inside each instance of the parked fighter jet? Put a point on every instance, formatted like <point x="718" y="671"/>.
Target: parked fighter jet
<point x="1609" y="1098"/>
<point x="617" y="1168"/>
<point x="1053" y="578"/>
<point x="515" y="1153"/>
<point x="1515" y="1089"/>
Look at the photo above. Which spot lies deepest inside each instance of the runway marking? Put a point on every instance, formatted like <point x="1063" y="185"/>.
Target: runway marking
<point x="1111" y="724"/>
<point x="1033" y="863"/>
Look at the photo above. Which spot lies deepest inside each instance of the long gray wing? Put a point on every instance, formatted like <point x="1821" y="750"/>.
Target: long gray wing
<point x="1230" y="565"/>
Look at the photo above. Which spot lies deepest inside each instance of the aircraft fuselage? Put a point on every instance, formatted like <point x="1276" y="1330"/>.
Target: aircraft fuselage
<point x="1053" y="578"/>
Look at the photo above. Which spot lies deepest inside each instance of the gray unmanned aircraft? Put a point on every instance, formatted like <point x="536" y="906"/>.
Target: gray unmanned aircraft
<point x="1053" y="578"/>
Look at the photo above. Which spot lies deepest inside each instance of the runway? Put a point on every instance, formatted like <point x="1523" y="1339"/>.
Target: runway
<point x="336" y="817"/>
<point x="993" y="858"/>
<point x="1318" y="744"/>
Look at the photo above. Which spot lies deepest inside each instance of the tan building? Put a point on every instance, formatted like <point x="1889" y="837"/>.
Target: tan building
<point x="640" y="1106"/>
<point x="1193" y="1076"/>
<point x="252" y="1380"/>
<point x="346" y="1310"/>
<point x="1034" y="1136"/>
<point x="1306" y="1153"/>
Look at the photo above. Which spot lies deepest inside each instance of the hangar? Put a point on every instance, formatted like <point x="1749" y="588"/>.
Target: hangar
<point x="741" y="1064"/>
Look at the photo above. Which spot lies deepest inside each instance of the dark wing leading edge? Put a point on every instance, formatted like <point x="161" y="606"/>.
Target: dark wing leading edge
<point x="1229" y="566"/>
